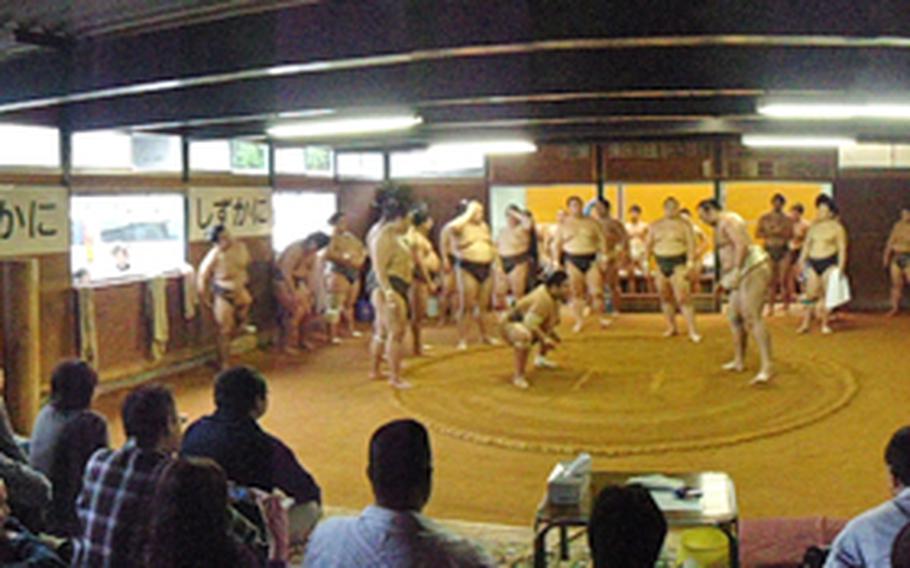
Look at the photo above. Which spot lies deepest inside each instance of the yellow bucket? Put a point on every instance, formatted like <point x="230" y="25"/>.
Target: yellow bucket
<point x="703" y="547"/>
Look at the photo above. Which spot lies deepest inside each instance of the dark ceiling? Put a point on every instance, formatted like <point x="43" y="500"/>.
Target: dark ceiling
<point x="554" y="70"/>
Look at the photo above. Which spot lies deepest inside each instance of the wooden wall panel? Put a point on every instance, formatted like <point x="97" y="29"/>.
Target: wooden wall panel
<point x="562" y="163"/>
<point x="870" y="204"/>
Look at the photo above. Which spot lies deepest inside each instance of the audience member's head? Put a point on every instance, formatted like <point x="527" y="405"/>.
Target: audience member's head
<point x="897" y="457"/>
<point x="241" y="391"/>
<point x="900" y="550"/>
<point x="626" y="529"/>
<point x="150" y="417"/>
<point x="73" y="385"/>
<point x="189" y="520"/>
<point x="401" y="465"/>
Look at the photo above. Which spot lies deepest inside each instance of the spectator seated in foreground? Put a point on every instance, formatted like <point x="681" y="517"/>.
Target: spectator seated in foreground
<point x="250" y="456"/>
<point x="868" y="539"/>
<point x="189" y="520"/>
<point x="66" y="434"/>
<point x="393" y="533"/>
<point x="29" y="489"/>
<point x="18" y="546"/>
<point x="626" y="529"/>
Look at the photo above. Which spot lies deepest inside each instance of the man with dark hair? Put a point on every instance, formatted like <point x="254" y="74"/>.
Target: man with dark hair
<point x="293" y="269"/>
<point x="233" y="438"/>
<point x="346" y="255"/>
<point x="824" y="256"/>
<point x="223" y="274"/>
<point x="775" y="228"/>
<point x="896" y="258"/>
<point x="617" y="248"/>
<point x="66" y="434"/>
<point x="745" y="270"/>
<point x="582" y="246"/>
<point x="533" y="320"/>
<point x="393" y="271"/>
<point x="867" y="540"/>
<point x="118" y="483"/>
<point x="637" y="229"/>
<point x="626" y="529"/>
<point x="672" y="242"/>
<point x="515" y="247"/>
<point x="393" y="532"/>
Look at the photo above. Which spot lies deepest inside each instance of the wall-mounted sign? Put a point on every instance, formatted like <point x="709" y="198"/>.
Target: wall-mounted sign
<point x="245" y="211"/>
<point x="33" y="220"/>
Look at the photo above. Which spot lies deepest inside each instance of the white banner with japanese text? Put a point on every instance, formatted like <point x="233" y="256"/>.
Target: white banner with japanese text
<point x="245" y="211"/>
<point x="33" y="220"/>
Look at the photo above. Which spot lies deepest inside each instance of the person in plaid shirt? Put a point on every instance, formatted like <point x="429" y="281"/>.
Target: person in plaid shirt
<point x="118" y="484"/>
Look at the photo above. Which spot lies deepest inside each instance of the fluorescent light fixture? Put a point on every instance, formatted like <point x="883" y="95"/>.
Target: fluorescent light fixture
<point x="344" y="126"/>
<point x="488" y="147"/>
<point x="834" y="110"/>
<point x="782" y="141"/>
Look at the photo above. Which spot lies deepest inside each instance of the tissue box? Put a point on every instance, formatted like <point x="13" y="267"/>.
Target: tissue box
<point x="565" y="489"/>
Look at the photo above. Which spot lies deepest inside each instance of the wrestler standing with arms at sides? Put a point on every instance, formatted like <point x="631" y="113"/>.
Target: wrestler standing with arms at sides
<point x="448" y="283"/>
<point x="638" y="237"/>
<point x="474" y="258"/>
<point x="293" y="268"/>
<point x="223" y="274"/>
<point x="346" y="255"/>
<point x="746" y="273"/>
<point x="775" y="228"/>
<point x="393" y="269"/>
<point x="426" y="266"/>
<point x="897" y="258"/>
<point x="800" y="228"/>
<point x="515" y="248"/>
<point x="617" y="243"/>
<point x="581" y="244"/>
<point x="672" y="242"/>
<point x="824" y="250"/>
<point x="533" y="320"/>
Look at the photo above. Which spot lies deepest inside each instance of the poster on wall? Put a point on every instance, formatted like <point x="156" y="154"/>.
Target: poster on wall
<point x="245" y="211"/>
<point x="33" y="220"/>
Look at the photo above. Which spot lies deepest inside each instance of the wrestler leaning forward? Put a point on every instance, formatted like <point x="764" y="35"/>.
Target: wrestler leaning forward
<point x="474" y="258"/>
<point x="775" y="229"/>
<point x="897" y="258"/>
<point x="824" y="251"/>
<point x="746" y="273"/>
<point x="345" y="255"/>
<point x="294" y="268"/>
<point x="392" y="272"/>
<point x="221" y="284"/>
<point x="532" y="321"/>
<point x="672" y="242"/>
<point x="580" y="247"/>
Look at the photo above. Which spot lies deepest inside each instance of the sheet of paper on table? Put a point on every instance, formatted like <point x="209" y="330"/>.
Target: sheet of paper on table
<point x="657" y="481"/>
<point x="667" y="501"/>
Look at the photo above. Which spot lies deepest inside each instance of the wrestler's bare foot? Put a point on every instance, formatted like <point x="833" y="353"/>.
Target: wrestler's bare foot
<point x="826" y="330"/>
<point x="462" y="345"/>
<point x="734" y="366"/>
<point x="694" y="337"/>
<point x="335" y="341"/>
<point x="803" y="329"/>
<point x="248" y="329"/>
<point x="291" y="351"/>
<point x="761" y="378"/>
<point x="490" y="341"/>
<point x="578" y="326"/>
<point x="586" y="312"/>
<point x="520" y="382"/>
<point x="671" y="332"/>
<point x="399" y="384"/>
<point x="307" y="346"/>
<point x="605" y="323"/>
<point x="892" y="312"/>
<point x="542" y="362"/>
<point x="375" y="376"/>
<point x="356" y="333"/>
